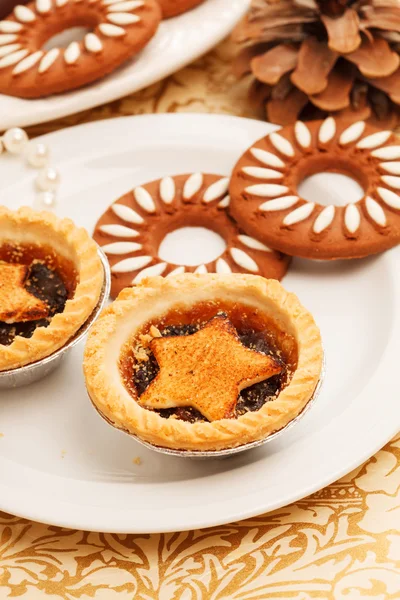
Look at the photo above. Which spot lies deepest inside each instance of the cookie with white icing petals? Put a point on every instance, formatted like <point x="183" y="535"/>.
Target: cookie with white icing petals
<point x="266" y="203"/>
<point x="131" y="230"/>
<point x="172" y="8"/>
<point x="119" y="29"/>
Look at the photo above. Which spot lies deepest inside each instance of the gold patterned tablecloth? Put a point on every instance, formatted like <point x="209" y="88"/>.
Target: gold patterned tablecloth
<point x="342" y="543"/>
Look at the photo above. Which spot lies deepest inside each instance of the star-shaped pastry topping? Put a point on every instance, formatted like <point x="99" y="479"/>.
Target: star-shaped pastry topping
<point x="16" y="303"/>
<point x="205" y="370"/>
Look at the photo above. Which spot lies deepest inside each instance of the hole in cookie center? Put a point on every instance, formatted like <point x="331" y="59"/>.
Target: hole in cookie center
<point x="330" y="188"/>
<point x="327" y="179"/>
<point x="191" y="246"/>
<point x="64" y="38"/>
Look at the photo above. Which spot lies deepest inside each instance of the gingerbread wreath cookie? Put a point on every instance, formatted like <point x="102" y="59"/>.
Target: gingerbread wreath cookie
<point x="131" y="230"/>
<point x="119" y="29"/>
<point x="266" y="203"/>
<point x="172" y="8"/>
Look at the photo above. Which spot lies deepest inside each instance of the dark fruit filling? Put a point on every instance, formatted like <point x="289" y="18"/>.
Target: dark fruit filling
<point x="138" y="374"/>
<point x="46" y="280"/>
<point x="47" y="285"/>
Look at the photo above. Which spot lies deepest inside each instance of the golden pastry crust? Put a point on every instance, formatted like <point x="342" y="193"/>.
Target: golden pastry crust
<point x="68" y="241"/>
<point x="152" y="298"/>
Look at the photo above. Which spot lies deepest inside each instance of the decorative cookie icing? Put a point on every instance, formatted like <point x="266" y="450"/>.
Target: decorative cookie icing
<point x="167" y="190"/>
<point x="277" y="216"/>
<point x="327" y="130"/>
<point x="178" y="271"/>
<point x="224" y="203"/>
<point x="72" y="53"/>
<point x="43" y="6"/>
<point x="122" y="18"/>
<point x="216" y="190"/>
<point x="24" y="14"/>
<point x="267" y="158"/>
<point x="120" y="30"/>
<point x="8" y="38"/>
<point x="201" y="269"/>
<point x="375" y="211"/>
<point x="12" y="59"/>
<point x="302" y="133"/>
<point x="121" y="247"/>
<point x="110" y="30"/>
<point x="352" y="218"/>
<point x="10" y="27"/>
<point x="28" y="62"/>
<point x="127" y="214"/>
<point x="324" y="219"/>
<point x="131" y="230"/>
<point x="119" y="231"/>
<point x="245" y="261"/>
<point x="282" y="144"/>
<point x="131" y="264"/>
<point x="124" y="6"/>
<point x="393" y="182"/>
<point x="93" y="43"/>
<point x="299" y="214"/>
<point x="192" y="185"/>
<point x="261" y="173"/>
<point x="267" y="190"/>
<point x="374" y="140"/>
<point x="222" y="266"/>
<point x="153" y="271"/>
<point x="387" y="153"/>
<point x="352" y="133"/>
<point x="279" y="203"/>
<point x="389" y="197"/>
<point x="391" y="167"/>
<point x="4" y="50"/>
<point x="48" y="59"/>
<point x="251" y="242"/>
<point x="144" y="199"/>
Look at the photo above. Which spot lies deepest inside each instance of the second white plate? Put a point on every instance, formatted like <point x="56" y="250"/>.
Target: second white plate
<point x="178" y="42"/>
<point x="62" y="464"/>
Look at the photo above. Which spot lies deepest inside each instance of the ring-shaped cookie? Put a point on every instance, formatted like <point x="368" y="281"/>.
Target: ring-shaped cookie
<point x="131" y="230"/>
<point x="172" y="8"/>
<point x="266" y="203"/>
<point x="119" y="29"/>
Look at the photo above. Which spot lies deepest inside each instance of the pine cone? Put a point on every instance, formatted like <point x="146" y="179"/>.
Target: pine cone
<point x="310" y="58"/>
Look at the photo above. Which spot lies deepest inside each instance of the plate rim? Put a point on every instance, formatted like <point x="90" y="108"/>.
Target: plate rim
<point x="11" y="502"/>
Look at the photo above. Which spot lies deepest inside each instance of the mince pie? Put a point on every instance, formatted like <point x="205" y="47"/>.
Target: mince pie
<point x="50" y="282"/>
<point x="203" y="362"/>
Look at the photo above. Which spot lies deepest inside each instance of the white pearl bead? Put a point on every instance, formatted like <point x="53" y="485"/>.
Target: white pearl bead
<point x="15" y="140"/>
<point x="48" y="179"/>
<point x="37" y="155"/>
<point x="45" y="200"/>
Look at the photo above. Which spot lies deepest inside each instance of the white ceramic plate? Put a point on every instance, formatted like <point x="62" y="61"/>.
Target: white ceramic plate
<point x="178" y="42"/>
<point x="62" y="464"/>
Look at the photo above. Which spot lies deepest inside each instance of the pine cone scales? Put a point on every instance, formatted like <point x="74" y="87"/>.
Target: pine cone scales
<point x="313" y="57"/>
